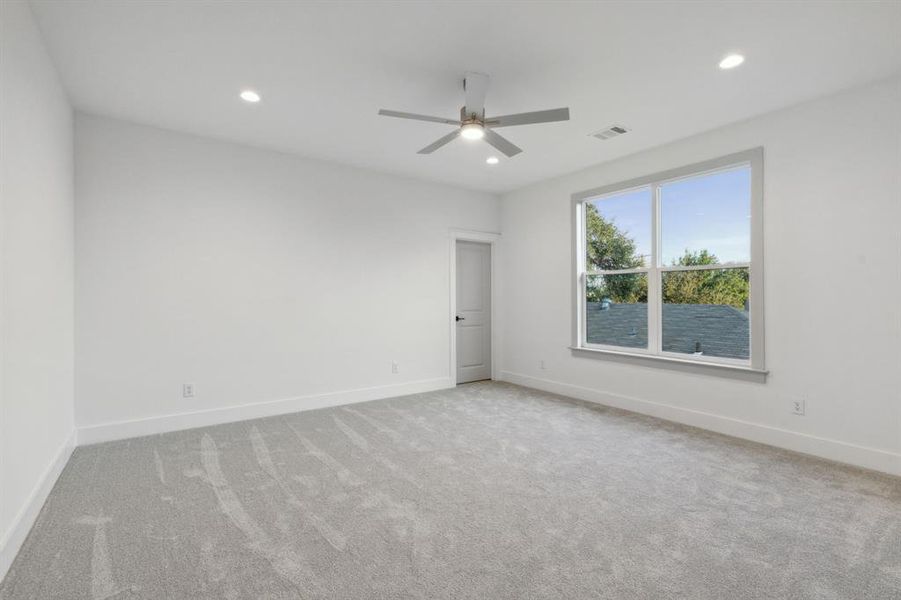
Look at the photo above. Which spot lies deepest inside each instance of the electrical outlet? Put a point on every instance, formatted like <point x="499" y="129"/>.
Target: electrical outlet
<point x="394" y="367"/>
<point x="187" y="390"/>
<point x="798" y="406"/>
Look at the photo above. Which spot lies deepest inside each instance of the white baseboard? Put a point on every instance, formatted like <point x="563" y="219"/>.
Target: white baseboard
<point x="860" y="456"/>
<point x="14" y="537"/>
<point x="106" y="432"/>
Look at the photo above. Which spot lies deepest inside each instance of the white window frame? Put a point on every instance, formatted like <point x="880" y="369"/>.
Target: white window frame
<point x="655" y="269"/>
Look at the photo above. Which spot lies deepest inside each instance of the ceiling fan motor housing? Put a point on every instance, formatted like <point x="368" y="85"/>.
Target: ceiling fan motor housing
<point x="473" y="118"/>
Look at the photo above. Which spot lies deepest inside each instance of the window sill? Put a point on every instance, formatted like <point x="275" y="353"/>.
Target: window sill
<point x="675" y="364"/>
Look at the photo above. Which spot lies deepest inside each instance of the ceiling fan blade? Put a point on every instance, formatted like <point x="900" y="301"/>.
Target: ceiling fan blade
<point x="476" y="86"/>
<point x="440" y="142"/>
<point x="539" y="116"/>
<point x="501" y="143"/>
<point x="415" y="117"/>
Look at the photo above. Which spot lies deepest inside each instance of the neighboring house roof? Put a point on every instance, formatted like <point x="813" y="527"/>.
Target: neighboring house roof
<point x="721" y="330"/>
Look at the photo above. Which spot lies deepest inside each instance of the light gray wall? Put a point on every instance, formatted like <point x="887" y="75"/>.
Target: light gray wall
<point x="833" y="316"/>
<point x="36" y="271"/>
<point x="255" y="275"/>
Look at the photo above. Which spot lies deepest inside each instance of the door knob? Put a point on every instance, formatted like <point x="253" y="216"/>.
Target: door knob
<point x="460" y="318"/>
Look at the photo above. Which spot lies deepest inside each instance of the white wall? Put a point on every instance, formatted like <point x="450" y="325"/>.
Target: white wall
<point x="255" y="275"/>
<point x="833" y="284"/>
<point x="36" y="272"/>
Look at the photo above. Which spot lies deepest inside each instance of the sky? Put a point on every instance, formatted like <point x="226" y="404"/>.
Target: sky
<point x="711" y="212"/>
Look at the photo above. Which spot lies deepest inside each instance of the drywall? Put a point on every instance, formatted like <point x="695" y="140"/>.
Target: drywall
<point x="36" y="271"/>
<point x="270" y="282"/>
<point x="833" y="319"/>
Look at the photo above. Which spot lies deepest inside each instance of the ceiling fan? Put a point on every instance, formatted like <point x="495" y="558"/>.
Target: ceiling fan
<point x="473" y="125"/>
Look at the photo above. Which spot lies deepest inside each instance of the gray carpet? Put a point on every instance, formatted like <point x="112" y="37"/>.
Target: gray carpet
<point x="487" y="491"/>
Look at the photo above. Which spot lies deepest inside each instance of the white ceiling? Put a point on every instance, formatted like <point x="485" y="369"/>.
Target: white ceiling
<point x="324" y="70"/>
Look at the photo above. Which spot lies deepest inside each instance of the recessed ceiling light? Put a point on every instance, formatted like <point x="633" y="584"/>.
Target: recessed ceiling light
<point x="250" y="96"/>
<point x="492" y="160"/>
<point x="731" y="61"/>
<point x="472" y="131"/>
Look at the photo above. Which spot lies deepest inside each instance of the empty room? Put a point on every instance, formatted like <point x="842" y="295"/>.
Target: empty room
<point x="487" y="300"/>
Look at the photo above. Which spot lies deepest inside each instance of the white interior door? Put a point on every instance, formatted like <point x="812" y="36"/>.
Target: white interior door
<point x="473" y="311"/>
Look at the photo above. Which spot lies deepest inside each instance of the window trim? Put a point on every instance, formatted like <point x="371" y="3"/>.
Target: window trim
<point x="756" y="363"/>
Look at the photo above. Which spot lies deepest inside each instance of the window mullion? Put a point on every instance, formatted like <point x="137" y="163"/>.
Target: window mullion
<point x="654" y="291"/>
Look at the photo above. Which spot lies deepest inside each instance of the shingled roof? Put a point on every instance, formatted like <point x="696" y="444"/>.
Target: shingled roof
<point x="721" y="330"/>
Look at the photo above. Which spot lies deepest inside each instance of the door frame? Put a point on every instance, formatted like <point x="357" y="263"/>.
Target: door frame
<point x="493" y="240"/>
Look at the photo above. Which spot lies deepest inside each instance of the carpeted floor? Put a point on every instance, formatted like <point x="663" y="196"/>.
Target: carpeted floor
<point x="487" y="491"/>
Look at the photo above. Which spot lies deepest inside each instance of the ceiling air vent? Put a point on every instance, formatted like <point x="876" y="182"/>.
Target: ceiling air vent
<point x="610" y="132"/>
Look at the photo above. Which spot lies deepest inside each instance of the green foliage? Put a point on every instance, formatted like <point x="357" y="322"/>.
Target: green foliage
<point x="692" y="259"/>
<point x="609" y="249"/>
<point x="718" y="286"/>
<point x="628" y="288"/>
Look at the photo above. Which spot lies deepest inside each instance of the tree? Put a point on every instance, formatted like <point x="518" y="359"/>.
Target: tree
<point x="609" y="249"/>
<point x="714" y="286"/>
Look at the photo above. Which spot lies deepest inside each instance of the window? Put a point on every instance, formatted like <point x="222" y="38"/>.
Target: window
<point x="670" y="266"/>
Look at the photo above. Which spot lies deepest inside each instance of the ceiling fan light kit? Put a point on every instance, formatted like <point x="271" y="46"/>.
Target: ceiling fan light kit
<point x="472" y="131"/>
<point x="474" y="126"/>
